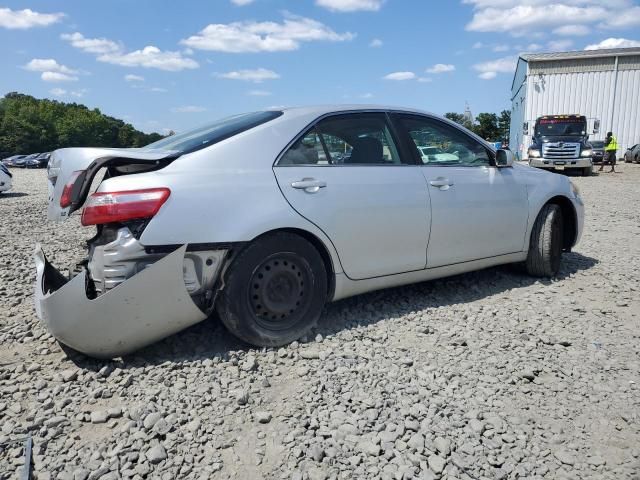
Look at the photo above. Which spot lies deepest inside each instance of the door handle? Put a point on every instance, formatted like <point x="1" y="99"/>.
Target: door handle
<point x="309" y="185"/>
<point x="442" y="183"/>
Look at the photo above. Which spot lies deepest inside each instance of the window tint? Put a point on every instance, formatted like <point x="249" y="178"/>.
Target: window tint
<point x="354" y="139"/>
<point x="439" y="144"/>
<point x="215" y="132"/>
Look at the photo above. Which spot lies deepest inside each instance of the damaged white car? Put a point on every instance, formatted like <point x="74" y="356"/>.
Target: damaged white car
<point x="265" y="217"/>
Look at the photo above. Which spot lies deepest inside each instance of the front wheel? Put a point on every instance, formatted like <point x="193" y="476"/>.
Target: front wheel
<point x="274" y="290"/>
<point x="545" y="247"/>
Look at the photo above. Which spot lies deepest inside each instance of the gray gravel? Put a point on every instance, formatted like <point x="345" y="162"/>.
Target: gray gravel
<point x="489" y="375"/>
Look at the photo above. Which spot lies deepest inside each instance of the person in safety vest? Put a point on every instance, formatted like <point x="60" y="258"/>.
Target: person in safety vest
<point x="610" y="149"/>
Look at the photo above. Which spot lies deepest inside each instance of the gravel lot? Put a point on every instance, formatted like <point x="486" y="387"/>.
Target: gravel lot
<point x="488" y="375"/>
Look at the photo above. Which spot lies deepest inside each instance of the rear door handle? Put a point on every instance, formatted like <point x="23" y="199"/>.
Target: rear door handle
<point x="309" y="185"/>
<point x="442" y="183"/>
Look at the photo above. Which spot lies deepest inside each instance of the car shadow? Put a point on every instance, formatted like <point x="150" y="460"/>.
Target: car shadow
<point x="13" y="194"/>
<point x="210" y="340"/>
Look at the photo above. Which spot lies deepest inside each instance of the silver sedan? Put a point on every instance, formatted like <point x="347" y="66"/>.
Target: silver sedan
<point x="265" y="217"/>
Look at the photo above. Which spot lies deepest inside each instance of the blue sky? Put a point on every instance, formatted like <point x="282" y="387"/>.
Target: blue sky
<point x="171" y="65"/>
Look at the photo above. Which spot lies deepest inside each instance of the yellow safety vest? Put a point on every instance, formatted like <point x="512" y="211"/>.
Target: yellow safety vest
<point x="613" y="144"/>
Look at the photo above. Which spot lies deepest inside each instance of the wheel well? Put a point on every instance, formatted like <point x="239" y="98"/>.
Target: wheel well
<point x="570" y="221"/>
<point x="322" y="250"/>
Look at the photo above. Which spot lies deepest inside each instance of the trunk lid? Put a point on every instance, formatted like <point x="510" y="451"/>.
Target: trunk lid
<point x="87" y="162"/>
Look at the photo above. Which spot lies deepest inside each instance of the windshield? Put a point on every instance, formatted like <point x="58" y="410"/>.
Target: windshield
<point x="561" y="127"/>
<point x="211" y="133"/>
<point x="597" y="144"/>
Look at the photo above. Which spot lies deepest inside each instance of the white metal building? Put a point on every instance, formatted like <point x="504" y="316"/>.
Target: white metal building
<point x="599" y="84"/>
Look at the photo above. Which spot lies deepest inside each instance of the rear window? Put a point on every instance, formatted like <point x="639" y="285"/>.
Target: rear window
<point x="211" y="133"/>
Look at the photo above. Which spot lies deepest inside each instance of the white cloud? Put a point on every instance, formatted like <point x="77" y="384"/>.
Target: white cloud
<point x="501" y="48"/>
<point x="58" y="77"/>
<point x="258" y="75"/>
<point x="350" y="5"/>
<point x="112" y="52"/>
<point x="376" y="43"/>
<point x="189" y="109"/>
<point x="524" y="18"/>
<point x="441" y="68"/>
<point x="133" y="78"/>
<point x="490" y="69"/>
<point x="572" y="30"/>
<point x="487" y="75"/>
<point x="91" y="45"/>
<point x="258" y="93"/>
<point x="425" y="80"/>
<point x="24" y="19"/>
<point x="241" y="3"/>
<point x="48" y="65"/>
<point x="533" y="47"/>
<point x="51" y="70"/>
<point x="150" y="57"/>
<point x="613" y="43"/>
<point x="61" y="92"/>
<point x="629" y="17"/>
<point x="478" y="45"/>
<point x="400" y="76"/>
<point x="158" y="89"/>
<point x="242" y="37"/>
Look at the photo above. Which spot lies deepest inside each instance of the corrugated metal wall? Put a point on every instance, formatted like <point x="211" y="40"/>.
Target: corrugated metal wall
<point x="589" y="93"/>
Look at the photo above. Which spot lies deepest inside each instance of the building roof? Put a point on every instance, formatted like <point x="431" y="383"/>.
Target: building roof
<point x="609" y="52"/>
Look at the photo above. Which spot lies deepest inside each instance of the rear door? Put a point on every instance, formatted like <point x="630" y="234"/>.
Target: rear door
<point x="478" y="210"/>
<point x="347" y="175"/>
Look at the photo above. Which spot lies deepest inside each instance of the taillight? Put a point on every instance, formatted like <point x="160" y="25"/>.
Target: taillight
<point x="66" y="198"/>
<point x="112" y="207"/>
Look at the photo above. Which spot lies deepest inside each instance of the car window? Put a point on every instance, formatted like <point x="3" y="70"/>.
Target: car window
<point x="439" y="144"/>
<point x="352" y="139"/>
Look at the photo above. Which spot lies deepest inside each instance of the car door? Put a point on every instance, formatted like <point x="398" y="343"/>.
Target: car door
<point x="477" y="210"/>
<point x="347" y="175"/>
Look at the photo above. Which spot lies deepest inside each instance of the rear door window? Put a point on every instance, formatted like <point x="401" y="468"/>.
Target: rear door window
<point x="350" y="139"/>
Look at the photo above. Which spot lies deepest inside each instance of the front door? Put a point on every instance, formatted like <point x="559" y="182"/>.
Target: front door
<point x="477" y="210"/>
<point x="347" y="176"/>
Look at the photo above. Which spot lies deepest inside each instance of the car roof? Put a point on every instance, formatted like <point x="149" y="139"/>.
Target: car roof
<point x="337" y="108"/>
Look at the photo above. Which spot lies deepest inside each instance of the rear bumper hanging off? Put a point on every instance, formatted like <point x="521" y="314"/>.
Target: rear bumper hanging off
<point x="145" y="308"/>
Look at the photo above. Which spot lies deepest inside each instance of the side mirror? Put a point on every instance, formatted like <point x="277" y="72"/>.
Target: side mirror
<point x="504" y="158"/>
<point x="596" y="126"/>
<point x="525" y="128"/>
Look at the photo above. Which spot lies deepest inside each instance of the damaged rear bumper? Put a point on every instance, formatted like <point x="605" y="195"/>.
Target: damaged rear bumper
<point x="151" y="305"/>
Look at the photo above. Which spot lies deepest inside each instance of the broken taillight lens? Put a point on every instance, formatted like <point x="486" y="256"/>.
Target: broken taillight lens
<point x="118" y="207"/>
<point x="66" y="198"/>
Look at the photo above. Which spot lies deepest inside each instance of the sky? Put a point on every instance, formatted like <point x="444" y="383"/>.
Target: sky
<point x="170" y="65"/>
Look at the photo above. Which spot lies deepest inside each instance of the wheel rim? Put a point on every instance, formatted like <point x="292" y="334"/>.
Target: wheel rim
<point x="280" y="291"/>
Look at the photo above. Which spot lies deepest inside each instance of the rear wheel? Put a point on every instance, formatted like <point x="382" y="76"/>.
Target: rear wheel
<point x="274" y="291"/>
<point x="545" y="247"/>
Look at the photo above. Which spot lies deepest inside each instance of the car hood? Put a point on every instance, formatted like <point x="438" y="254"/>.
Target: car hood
<point x="87" y="162"/>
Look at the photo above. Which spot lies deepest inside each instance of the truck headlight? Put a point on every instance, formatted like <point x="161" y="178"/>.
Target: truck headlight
<point x="586" y="153"/>
<point x="533" y="153"/>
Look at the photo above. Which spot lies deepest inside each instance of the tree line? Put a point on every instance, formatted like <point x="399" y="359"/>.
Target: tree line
<point x="29" y="125"/>
<point x="491" y="127"/>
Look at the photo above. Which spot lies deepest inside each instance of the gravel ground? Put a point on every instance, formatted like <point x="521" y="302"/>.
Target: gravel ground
<point x="488" y="375"/>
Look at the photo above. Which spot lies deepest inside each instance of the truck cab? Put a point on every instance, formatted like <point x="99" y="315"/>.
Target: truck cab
<point x="561" y="142"/>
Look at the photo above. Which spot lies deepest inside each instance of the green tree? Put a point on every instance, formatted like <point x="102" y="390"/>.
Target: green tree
<point x="486" y="126"/>
<point x="504" y="124"/>
<point x="460" y="119"/>
<point x="29" y="125"/>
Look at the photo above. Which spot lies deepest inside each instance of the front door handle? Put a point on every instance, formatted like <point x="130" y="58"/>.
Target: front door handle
<point x="309" y="185"/>
<point x="442" y="183"/>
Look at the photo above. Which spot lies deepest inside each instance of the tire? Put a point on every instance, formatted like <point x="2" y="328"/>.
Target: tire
<point x="545" y="247"/>
<point x="274" y="291"/>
